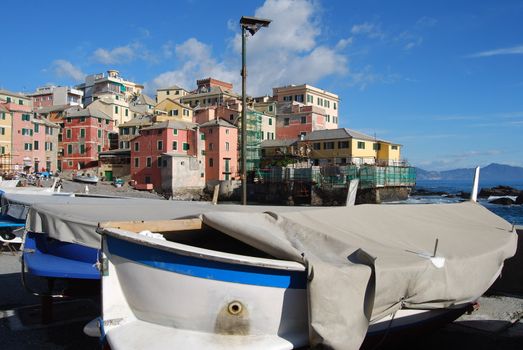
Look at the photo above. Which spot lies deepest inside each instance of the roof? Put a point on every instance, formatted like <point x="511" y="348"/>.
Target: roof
<point x="217" y="122"/>
<point x="3" y="109"/>
<point x="172" y="124"/>
<point x="213" y="91"/>
<point x="46" y="122"/>
<point x="87" y="112"/>
<point x="278" y="143"/>
<point x="139" y="120"/>
<point x="115" y="152"/>
<point x="341" y="133"/>
<point x="172" y="87"/>
<point x="173" y="101"/>
<point x="57" y="108"/>
<point x="143" y="99"/>
<point x="10" y="93"/>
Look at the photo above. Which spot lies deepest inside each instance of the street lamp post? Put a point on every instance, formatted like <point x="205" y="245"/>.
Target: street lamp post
<point x="252" y="25"/>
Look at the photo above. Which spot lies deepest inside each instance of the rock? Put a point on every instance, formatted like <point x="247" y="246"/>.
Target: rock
<point x="499" y="191"/>
<point x="519" y="200"/>
<point x="502" y="201"/>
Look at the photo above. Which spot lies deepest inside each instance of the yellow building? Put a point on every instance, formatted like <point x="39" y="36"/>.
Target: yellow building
<point x="172" y="108"/>
<point x="173" y="92"/>
<point x="311" y="96"/>
<point x="114" y="106"/>
<point x="346" y="146"/>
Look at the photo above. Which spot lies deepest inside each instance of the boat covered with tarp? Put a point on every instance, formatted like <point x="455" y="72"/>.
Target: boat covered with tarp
<point x="283" y="278"/>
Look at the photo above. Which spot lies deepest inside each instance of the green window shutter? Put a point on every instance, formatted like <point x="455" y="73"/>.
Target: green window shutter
<point x="185" y="146"/>
<point x="115" y="109"/>
<point x="175" y="131"/>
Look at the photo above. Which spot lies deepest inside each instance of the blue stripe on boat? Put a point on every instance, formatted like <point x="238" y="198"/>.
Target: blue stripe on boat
<point x="204" y="268"/>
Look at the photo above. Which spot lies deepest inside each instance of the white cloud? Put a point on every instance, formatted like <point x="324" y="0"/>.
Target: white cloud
<point x="370" y="30"/>
<point x="66" y="69"/>
<point x="120" y="54"/>
<point x="197" y="63"/>
<point x="426" y="22"/>
<point x="366" y="76"/>
<point x="286" y="52"/>
<point x="343" y="43"/>
<point x="515" y="50"/>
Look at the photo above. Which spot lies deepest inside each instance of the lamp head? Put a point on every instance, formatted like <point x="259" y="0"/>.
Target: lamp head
<point x="253" y="24"/>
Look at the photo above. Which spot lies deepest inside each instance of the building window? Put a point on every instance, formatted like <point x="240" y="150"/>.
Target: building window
<point x="270" y="121"/>
<point x="328" y="145"/>
<point x="99" y="133"/>
<point x="37" y="128"/>
<point x="175" y="131"/>
<point x="316" y="146"/>
<point x="226" y="146"/>
<point x="115" y="109"/>
<point x="167" y="92"/>
<point x="286" y="121"/>
<point x="126" y="112"/>
<point x="335" y="105"/>
<point x="82" y="149"/>
<point x="136" y="146"/>
<point x="82" y="133"/>
<point x="271" y="108"/>
<point x="174" y="112"/>
<point x="202" y="136"/>
<point x="148" y="162"/>
<point x="69" y="149"/>
<point x="68" y="120"/>
<point x="328" y="117"/>
<point x="20" y="102"/>
<point x="211" y="146"/>
<point x="3" y="149"/>
<point x="361" y="145"/>
<point x="26" y="117"/>
<point x="2" y="115"/>
<point x="136" y="162"/>
<point x="376" y="146"/>
<point x="343" y="144"/>
<point x="394" y="147"/>
<point x="82" y="119"/>
<point x="298" y="98"/>
<point x="287" y="98"/>
<point x="2" y="131"/>
<point x="36" y="145"/>
<point x="175" y="145"/>
<point x="160" y="145"/>
<point x="159" y="161"/>
<point x="211" y="162"/>
<point x="99" y="148"/>
<point x="226" y="131"/>
<point x="186" y="146"/>
<point x="303" y="120"/>
<point x="28" y="146"/>
<point x="67" y="133"/>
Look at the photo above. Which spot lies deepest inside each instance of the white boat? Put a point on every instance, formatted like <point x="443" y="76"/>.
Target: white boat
<point x="86" y="177"/>
<point x="255" y="280"/>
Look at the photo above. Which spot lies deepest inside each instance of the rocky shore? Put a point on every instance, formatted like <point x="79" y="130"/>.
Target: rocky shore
<point x="503" y="195"/>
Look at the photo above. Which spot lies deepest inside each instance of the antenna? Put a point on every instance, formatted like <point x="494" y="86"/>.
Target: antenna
<point x="475" y="184"/>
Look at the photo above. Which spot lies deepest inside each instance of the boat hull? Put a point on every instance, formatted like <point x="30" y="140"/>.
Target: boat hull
<point x="157" y="299"/>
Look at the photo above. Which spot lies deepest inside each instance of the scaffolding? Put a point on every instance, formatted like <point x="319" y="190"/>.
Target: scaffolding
<point x="370" y="176"/>
<point x="254" y="139"/>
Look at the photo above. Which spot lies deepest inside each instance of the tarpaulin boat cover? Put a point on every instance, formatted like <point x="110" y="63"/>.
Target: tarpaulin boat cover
<point x="369" y="260"/>
<point x="363" y="261"/>
<point x="75" y="220"/>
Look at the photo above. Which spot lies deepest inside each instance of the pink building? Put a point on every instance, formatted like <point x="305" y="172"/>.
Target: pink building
<point x="22" y="137"/>
<point x="85" y="133"/>
<point x="295" y="120"/>
<point x="221" y="150"/>
<point x="45" y="144"/>
<point x="173" y="137"/>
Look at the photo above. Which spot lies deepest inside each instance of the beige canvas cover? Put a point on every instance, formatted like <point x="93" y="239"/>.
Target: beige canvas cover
<point x="370" y="260"/>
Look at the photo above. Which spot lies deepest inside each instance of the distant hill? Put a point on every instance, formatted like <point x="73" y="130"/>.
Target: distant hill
<point x="492" y="172"/>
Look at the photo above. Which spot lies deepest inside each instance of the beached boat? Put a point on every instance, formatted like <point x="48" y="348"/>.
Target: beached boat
<point x="86" y="177"/>
<point x="255" y="280"/>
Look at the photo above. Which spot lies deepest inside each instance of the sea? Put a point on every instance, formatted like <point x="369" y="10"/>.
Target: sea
<point x="511" y="213"/>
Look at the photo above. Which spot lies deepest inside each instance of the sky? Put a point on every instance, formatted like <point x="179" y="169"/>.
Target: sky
<point x="443" y="78"/>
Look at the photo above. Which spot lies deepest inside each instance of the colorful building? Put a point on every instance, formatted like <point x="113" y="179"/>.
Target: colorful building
<point x="346" y="146"/>
<point x="55" y="96"/>
<point x="172" y="108"/>
<point x="109" y="83"/>
<point x="311" y="96"/>
<point x="6" y="121"/>
<point x="176" y="138"/>
<point x="113" y="105"/>
<point x="295" y="120"/>
<point x="221" y="150"/>
<point x="85" y="134"/>
<point x="45" y="145"/>
<point x="210" y="92"/>
<point x="22" y="135"/>
<point x="173" y="92"/>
